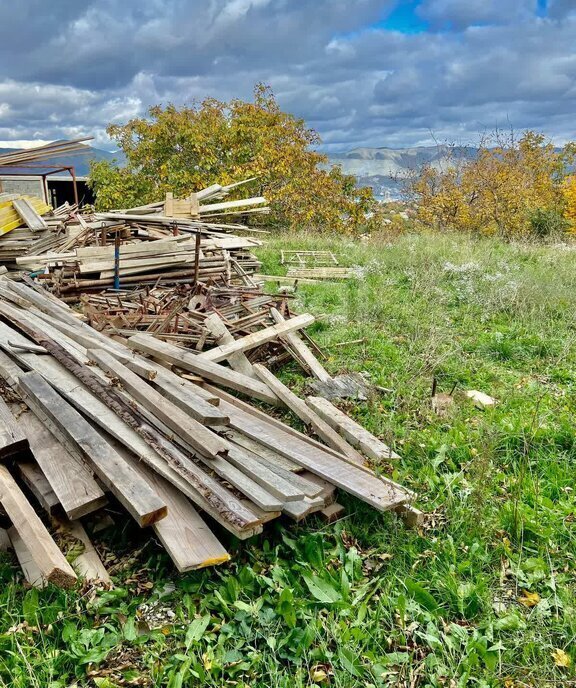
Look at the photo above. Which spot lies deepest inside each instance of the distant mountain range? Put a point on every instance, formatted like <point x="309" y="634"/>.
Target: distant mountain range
<point x="384" y="169"/>
<point x="80" y="161"/>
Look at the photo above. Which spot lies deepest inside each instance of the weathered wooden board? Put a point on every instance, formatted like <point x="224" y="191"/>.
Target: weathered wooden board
<point x="208" y="369"/>
<point x="250" y="341"/>
<point x="184" y="534"/>
<point x="27" y="212"/>
<point x="237" y="361"/>
<point x="302" y="351"/>
<point x="30" y="569"/>
<point x="307" y="415"/>
<point x="351" y="430"/>
<point x="193" y="432"/>
<point x="50" y="561"/>
<point x="134" y="493"/>
<point x="36" y="482"/>
<point x="87" y="564"/>
<point x="66" y="472"/>
<point x="12" y="439"/>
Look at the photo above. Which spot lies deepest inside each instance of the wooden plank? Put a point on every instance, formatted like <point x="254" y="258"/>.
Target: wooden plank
<point x="260" y="450"/>
<point x="12" y="439"/>
<point x="87" y="564"/>
<point x="50" y="561"/>
<point x="66" y="472"/>
<point x="302" y="351"/>
<point x="35" y="480"/>
<point x="299" y="510"/>
<point x="250" y="341"/>
<point x="183" y="533"/>
<point x="5" y="543"/>
<point x="412" y="517"/>
<point x="193" y="432"/>
<point x="226" y="205"/>
<point x="351" y="478"/>
<point x="351" y="430"/>
<point x="270" y="481"/>
<point x="333" y="512"/>
<point x="29" y="215"/>
<point x="132" y="492"/>
<point x="327" y="489"/>
<point x="272" y="461"/>
<point x="30" y="569"/>
<point x="307" y="415"/>
<point x="237" y="361"/>
<point x="190" y="402"/>
<point x="208" y="369"/>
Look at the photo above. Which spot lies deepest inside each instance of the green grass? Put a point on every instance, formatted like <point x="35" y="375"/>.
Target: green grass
<point x="365" y="601"/>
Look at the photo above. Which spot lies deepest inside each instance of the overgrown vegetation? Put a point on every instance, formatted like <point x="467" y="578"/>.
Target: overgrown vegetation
<point x="510" y="188"/>
<point x="184" y="150"/>
<point x="483" y="595"/>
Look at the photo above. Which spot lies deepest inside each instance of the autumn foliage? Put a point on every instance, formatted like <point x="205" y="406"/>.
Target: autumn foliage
<point x="186" y="149"/>
<point x="509" y="188"/>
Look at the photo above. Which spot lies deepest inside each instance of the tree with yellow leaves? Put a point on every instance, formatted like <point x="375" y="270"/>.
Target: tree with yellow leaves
<point x="569" y="191"/>
<point x="185" y="149"/>
<point x="510" y="187"/>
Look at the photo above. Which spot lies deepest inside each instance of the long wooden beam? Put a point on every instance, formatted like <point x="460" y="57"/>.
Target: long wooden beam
<point x="307" y="415"/>
<point x="250" y="341"/>
<point x="214" y="372"/>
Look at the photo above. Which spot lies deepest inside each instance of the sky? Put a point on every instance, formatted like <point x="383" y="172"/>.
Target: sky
<point x="372" y="73"/>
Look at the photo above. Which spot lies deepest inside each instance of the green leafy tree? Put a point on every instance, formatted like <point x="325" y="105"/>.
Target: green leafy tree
<point x="185" y="149"/>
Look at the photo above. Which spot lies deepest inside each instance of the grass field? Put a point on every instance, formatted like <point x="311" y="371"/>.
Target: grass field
<point x="482" y="595"/>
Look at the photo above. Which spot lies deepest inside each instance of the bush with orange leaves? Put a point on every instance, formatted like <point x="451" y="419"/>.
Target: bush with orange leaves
<point x="498" y="190"/>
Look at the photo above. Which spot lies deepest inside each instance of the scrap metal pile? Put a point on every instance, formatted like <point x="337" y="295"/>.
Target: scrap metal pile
<point x="131" y="355"/>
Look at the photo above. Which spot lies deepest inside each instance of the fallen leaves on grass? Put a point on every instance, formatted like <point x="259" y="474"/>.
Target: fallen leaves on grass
<point x="529" y="599"/>
<point x="561" y="658"/>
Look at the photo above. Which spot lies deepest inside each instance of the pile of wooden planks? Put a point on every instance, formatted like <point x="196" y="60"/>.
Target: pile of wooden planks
<point x="166" y="432"/>
<point x="191" y="316"/>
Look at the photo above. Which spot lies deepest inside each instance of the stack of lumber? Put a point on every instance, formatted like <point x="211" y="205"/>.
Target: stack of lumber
<point x="174" y="259"/>
<point x="77" y="253"/>
<point x="152" y="427"/>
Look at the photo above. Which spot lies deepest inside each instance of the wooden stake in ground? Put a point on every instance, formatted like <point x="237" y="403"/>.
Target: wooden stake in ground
<point x="50" y="561"/>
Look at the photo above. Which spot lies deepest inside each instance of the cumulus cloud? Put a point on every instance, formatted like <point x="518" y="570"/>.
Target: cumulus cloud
<point x="476" y="64"/>
<point x="459" y="14"/>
